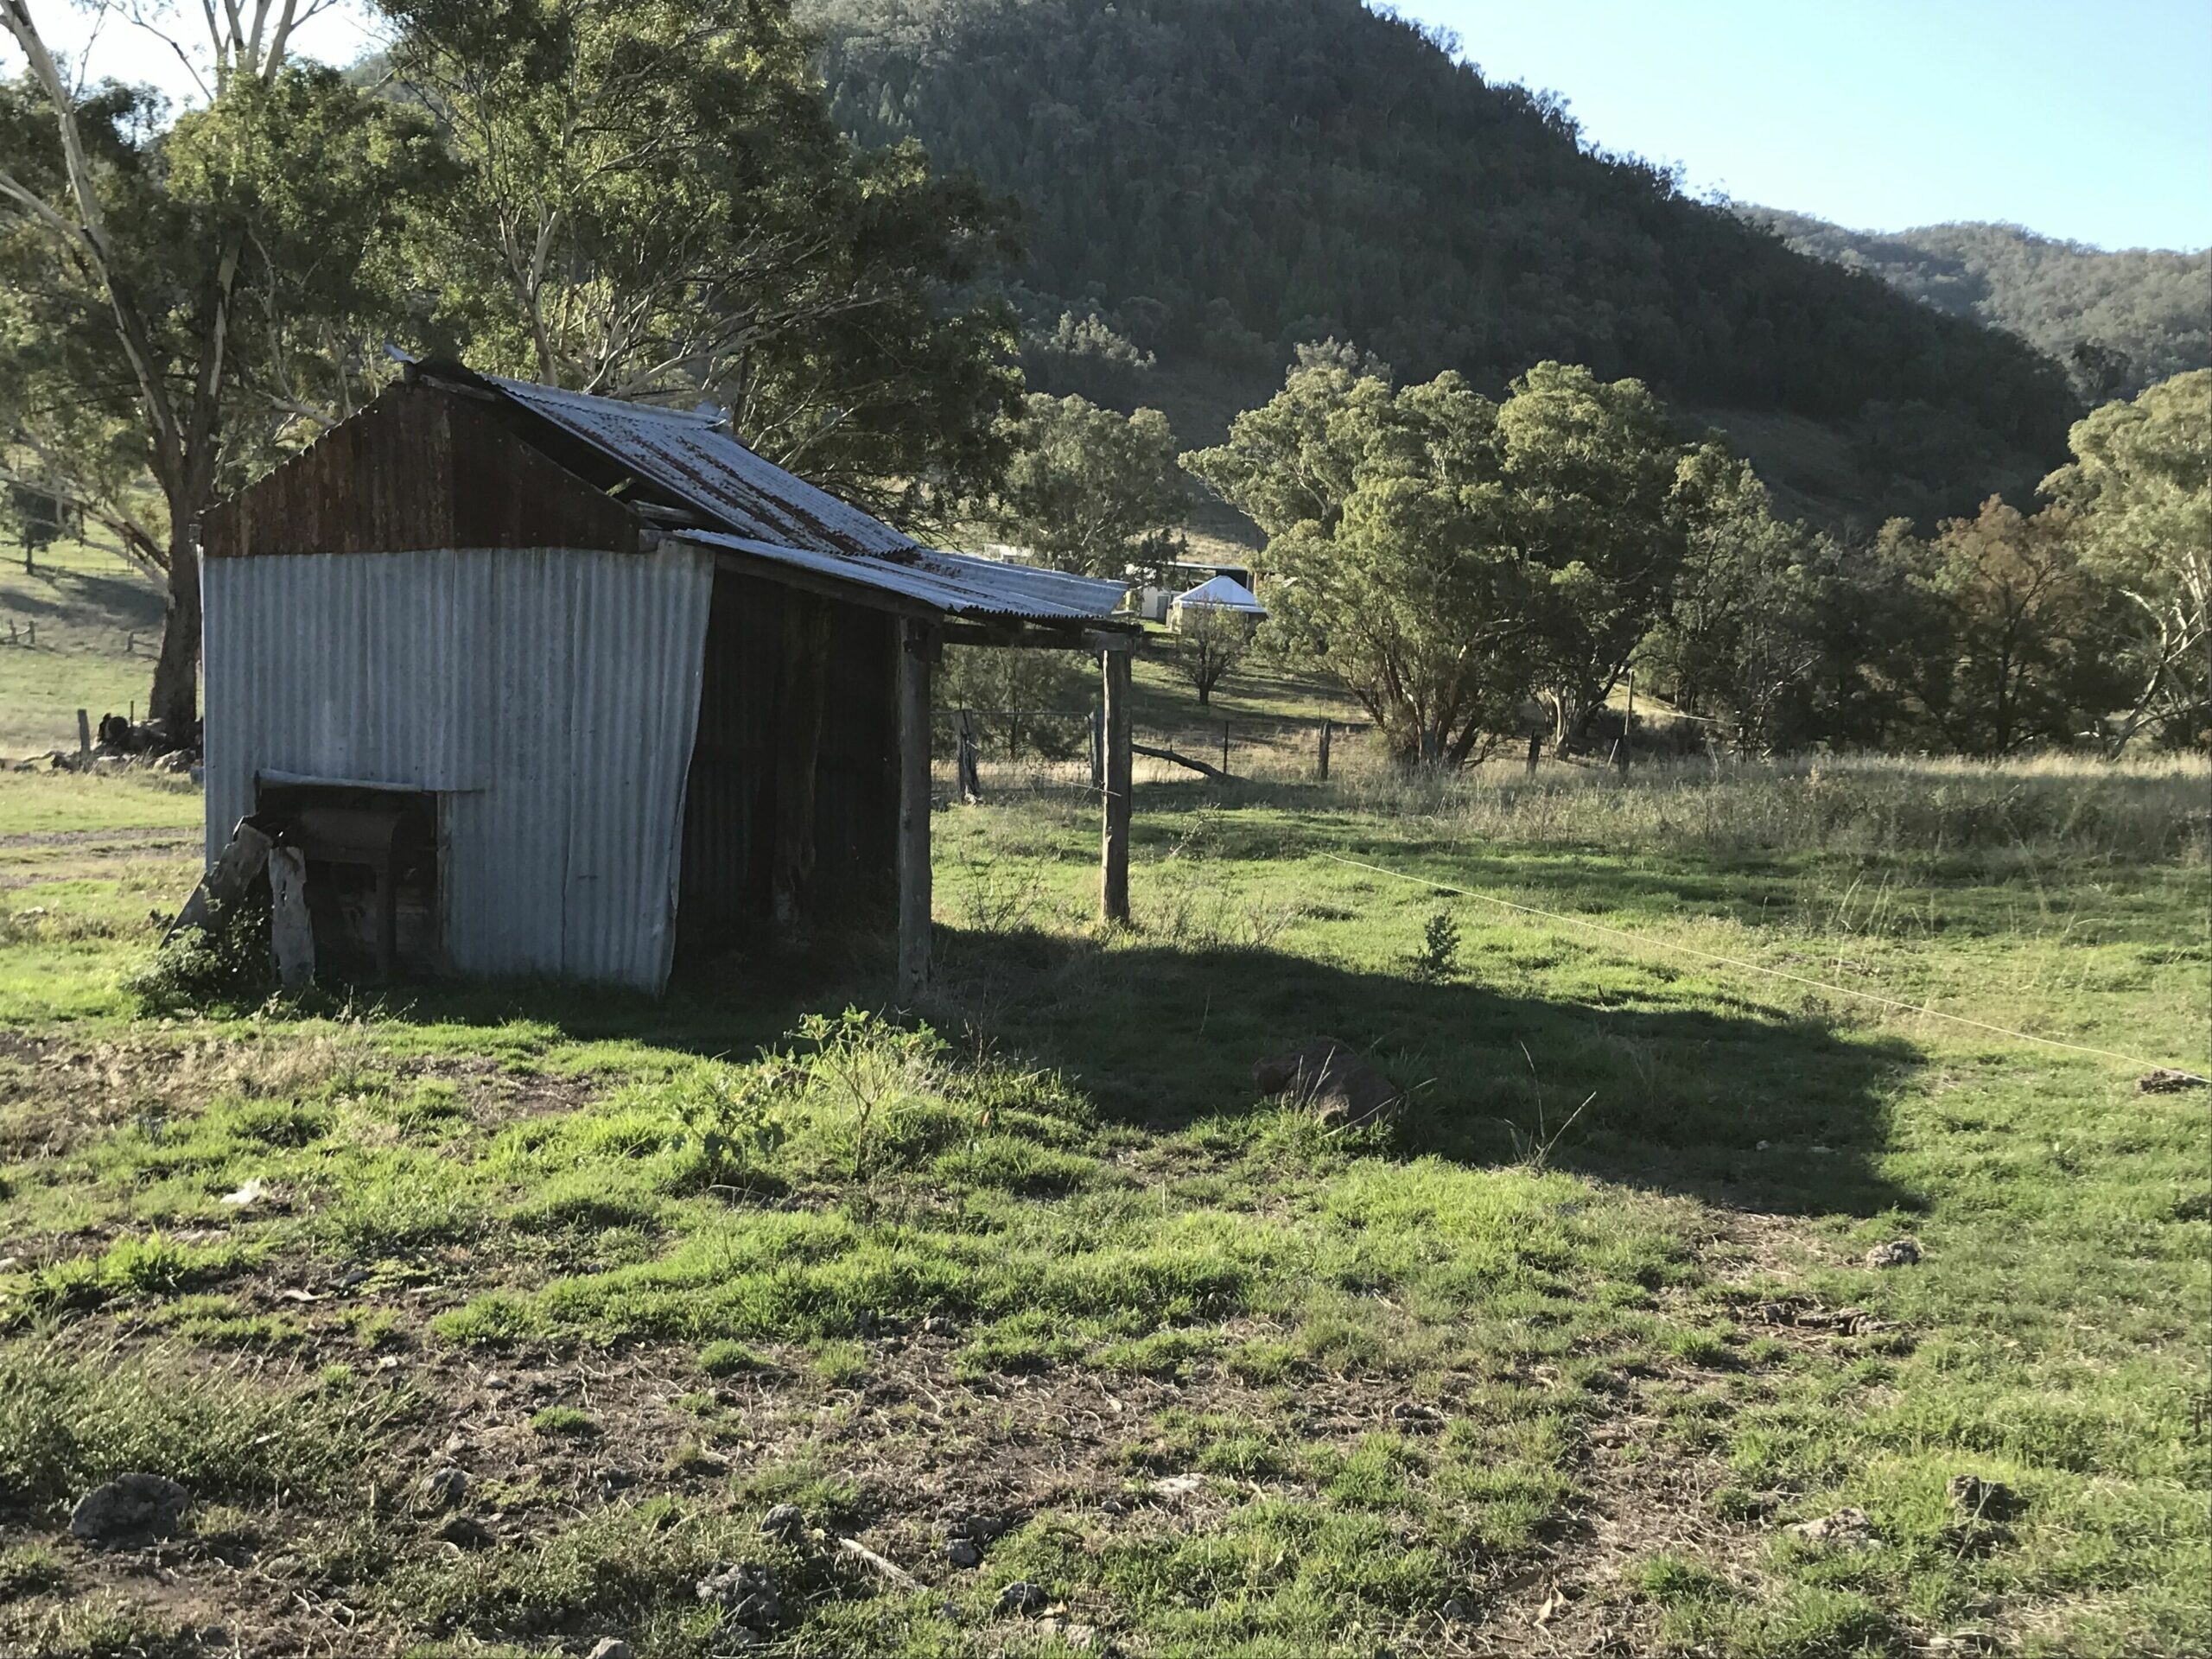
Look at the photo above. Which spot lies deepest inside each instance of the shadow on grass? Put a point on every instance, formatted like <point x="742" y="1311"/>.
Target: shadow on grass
<point x="1736" y="1106"/>
<point x="118" y="601"/>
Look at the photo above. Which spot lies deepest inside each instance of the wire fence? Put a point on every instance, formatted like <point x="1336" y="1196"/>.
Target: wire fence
<point x="1038" y="750"/>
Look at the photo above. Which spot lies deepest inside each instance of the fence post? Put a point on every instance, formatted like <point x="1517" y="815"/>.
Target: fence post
<point x="1628" y="724"/>
<point x="1328" y="731"/>
<point x="1114" y="851"/>
<point x="971" y="786"/>
<point x="1097" y="746"/>
<point x="1224" y="748"/>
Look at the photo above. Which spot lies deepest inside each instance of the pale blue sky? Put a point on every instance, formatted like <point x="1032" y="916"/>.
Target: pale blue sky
<point x="2083" y="118"/>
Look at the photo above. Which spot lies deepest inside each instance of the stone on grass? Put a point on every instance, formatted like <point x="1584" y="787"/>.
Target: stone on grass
<point x="1330" y="1080"/>
<point x="446" y="1488"/>
<point x="2167" y="1081"/>
<point x="1977" y="1499"/>
<point x="129" y="1504"/>
<point x="466" y="1532"/>
<point x="611" y="1647"/>
<point x="1897" y="1252"/>
<point x="1023" y="1598"/>
<point x="1848" y="1528"/>
<point x="747" y="1592"/>
<point x="962" y="1552"/>
<point x="784" y="1522"/>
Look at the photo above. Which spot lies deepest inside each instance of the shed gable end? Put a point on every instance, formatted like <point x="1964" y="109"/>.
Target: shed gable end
<point x="420" y="469"/>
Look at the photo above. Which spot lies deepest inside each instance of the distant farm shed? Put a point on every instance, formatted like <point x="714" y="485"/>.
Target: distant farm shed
<point x="549" y="684"/>
<point x="1223" y="597"/>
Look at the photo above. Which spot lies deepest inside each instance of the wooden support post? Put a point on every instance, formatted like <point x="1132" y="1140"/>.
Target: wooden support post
<point x="291" y="931"/>
<point x="1328" y="731"/>
<point x="1114" y="853"/>
<point x="1224" y="748"/>
<point x="1097" y="747"/>
<point x="83" y="734"/>
<point x="912" y="669"/>
<point x="802" y="682"/>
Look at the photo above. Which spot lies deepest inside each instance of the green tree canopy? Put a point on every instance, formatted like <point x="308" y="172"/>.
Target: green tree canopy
<point x="1449" y="556"/>
<point x="184" y="298"/>
<point x="2141" y="486"/>
<point x="1091" y="491"/>
<point x="655" y="203"/>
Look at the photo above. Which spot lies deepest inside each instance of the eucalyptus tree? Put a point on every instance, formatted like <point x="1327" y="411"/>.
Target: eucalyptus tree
<point x="1449" y="556"/>
<point x="2141" y="487"/>
<point x="188" y="292"/>
<point x="655" y="204"/>
<point x="1092" y="491"/>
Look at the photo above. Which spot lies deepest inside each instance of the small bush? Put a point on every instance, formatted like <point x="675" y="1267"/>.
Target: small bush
<point x="1438" y="959"/>
<point x="226" y="966"/>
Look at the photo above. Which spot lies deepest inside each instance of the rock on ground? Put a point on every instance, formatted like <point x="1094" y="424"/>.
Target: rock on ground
<point x="130" y="1504"/>
<point x="2167" y="1081"/>
<point x="1331" y="1080"/>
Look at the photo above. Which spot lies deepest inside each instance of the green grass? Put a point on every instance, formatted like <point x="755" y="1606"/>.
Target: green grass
<point x="1593" y="1318"/>
<point x="87" y="604"/>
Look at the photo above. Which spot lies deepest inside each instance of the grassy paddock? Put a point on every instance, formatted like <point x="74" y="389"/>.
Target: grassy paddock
<point x="1555" y="1365"/>
<point x="97" y="623"/>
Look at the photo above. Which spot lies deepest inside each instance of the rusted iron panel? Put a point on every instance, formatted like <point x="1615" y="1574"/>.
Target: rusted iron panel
<point x="420" y="468"/>
<point x="954" y="584"/>
<point x="550" y="697"/>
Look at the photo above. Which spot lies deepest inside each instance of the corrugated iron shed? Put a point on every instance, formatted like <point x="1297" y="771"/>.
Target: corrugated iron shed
<point x="547" y="696"/>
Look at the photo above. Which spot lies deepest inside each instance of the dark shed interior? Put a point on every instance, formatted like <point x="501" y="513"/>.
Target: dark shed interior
<point x="778" y="829"/>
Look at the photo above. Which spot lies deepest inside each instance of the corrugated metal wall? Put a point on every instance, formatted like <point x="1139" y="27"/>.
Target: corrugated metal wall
<point x="551" y="697"/>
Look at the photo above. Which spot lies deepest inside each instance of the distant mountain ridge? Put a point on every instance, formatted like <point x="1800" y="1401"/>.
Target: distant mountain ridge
<point x="1208" y="182"/>
<point x="2150" y="307"/>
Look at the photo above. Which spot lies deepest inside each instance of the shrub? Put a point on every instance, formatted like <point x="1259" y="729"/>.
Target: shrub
<point x="223" y="967"/>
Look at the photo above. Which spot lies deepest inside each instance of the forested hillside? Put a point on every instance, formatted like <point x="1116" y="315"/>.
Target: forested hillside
<point x="1215" y="181"/>
<point x="2119" y="321"/>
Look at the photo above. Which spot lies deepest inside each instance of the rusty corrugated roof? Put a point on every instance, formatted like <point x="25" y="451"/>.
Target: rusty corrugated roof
<point x="771" y="515"/>
<point x="689" y="456"/>
<point x="956" y="584"/>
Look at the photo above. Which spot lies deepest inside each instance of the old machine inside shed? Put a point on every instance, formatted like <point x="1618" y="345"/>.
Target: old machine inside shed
<point x="532" y="683"/>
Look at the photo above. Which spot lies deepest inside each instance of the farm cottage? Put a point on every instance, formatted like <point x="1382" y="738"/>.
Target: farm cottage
<point x="529" y="682"/>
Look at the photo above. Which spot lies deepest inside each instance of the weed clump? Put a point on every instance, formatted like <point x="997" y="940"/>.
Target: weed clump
<point x="564" y="1422"/>
<point x="726" y="1358"/>
<point x="225" y="967"/>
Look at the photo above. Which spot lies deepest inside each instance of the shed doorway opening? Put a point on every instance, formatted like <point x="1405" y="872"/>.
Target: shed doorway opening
<point x="372" y="856"/>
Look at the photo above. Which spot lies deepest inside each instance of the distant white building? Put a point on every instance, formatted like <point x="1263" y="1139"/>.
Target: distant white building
<point x="1220" y="594"/>
<point x="1157" y="594"/>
